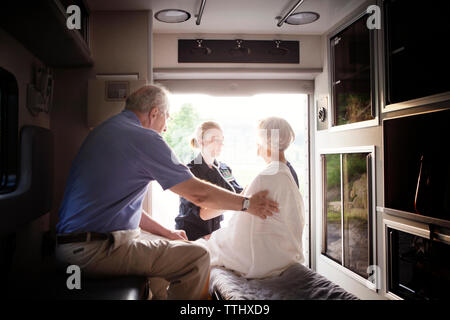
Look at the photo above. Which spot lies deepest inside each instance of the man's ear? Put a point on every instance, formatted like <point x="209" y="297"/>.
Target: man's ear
<point x="153" y="112"/>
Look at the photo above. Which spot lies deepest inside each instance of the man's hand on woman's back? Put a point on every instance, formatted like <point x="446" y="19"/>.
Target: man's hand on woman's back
<point x="261" y="206"/>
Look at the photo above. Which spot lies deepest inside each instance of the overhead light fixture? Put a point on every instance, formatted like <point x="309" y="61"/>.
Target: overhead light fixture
<point x="302" y="18"/>
<point x="172" y="15"/>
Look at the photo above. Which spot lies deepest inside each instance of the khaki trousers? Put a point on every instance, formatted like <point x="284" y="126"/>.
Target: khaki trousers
<point x="181" y="265"/>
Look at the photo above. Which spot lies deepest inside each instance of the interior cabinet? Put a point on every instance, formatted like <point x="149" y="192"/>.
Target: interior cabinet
<point x="417" y="64"/>
<point x="41" y="27"/>
<point x="353" y="73"/>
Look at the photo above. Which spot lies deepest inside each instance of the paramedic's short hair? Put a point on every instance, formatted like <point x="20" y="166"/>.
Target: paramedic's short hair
<point x="283" y="130"/>
<point x="147" y="97"/>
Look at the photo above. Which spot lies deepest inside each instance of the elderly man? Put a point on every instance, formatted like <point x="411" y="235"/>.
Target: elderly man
<point x="102" y="226"/>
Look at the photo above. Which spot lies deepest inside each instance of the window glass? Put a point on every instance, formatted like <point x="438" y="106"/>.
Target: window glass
<point x="333" y="207"/>
<point x="417" y="63"/>
<point x="418" y="267"/>
<point x="347" y="217"/>
<point x="356" y="213"/>
<point x="8" y="131"/>
<point x="351" y="63"/>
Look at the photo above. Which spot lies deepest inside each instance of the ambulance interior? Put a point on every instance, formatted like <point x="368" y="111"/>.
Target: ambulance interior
<point x="363" y="85"/>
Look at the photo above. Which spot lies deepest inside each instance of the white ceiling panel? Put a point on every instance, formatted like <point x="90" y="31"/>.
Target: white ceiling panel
<point x="237" y="16"/>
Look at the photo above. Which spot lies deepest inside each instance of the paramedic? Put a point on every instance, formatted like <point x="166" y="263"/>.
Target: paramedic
<point x="201" y="222"/>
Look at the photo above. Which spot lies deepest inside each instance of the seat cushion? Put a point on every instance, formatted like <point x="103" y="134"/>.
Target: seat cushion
<point x="295" y="283"/>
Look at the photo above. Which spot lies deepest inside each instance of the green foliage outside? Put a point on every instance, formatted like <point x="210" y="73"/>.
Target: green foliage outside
<point x="353" y="108"/>
<point x="333" y="162"/>
<point x="356" y="165"/>
<point x="355" y="168"/>
<point x="333" y="215"/>
<point x="179" y="132"/>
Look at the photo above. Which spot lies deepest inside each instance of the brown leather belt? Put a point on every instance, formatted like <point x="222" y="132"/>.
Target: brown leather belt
<point x="82" y="237"/>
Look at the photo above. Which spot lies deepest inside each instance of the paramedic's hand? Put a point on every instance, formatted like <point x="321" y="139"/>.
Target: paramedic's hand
<point x="261" y="206"/>
<point x="177" y="235"/>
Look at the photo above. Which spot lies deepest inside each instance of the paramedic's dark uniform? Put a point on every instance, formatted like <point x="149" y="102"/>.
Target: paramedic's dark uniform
<point x="188" y="218"/>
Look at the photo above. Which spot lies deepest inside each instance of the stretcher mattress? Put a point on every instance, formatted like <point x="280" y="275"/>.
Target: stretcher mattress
<point x="295" y="283"/>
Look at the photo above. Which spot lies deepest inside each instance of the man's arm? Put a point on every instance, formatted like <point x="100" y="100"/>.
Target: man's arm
<point x="207" y="195"/>
<point x="148" y="224"/>
<point x="207" y="214"/>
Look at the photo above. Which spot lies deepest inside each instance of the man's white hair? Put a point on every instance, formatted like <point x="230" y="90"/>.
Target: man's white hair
<point x="274" y="132"/>
<point x="148" y="97"/>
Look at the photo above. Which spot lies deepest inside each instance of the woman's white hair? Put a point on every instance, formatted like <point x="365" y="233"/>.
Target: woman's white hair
<point x="148" y="97"/>
<point x="274" y="132"/>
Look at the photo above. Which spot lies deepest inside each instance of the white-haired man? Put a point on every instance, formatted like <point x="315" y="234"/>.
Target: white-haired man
<point x="102" y="227"/>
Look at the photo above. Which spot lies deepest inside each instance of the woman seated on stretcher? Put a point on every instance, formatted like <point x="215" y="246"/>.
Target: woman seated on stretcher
<point x="251" y="246"/>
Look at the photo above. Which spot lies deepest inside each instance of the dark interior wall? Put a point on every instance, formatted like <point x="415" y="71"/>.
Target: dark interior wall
<point x="110" y="32"/>
<point x="68" y="124"/>
<point x="67" y="120"/>
<point x="21" y="250"/>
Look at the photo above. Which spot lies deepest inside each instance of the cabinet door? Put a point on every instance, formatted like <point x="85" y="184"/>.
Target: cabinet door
<point x="418" y="267"/>
<point x="416" y="37"/>
<point x="351" y="61"/>
<point x="347" y="218"/>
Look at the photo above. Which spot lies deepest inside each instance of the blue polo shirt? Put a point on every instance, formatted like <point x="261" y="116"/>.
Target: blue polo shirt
<point x="111" y="173"/>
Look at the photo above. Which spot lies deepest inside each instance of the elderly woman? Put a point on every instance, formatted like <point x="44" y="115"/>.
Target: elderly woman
<point x="257" y="248"/>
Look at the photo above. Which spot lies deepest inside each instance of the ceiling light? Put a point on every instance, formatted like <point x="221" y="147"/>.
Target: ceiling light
<point x="172" y="15"/>
<point x="302" y="18"/>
